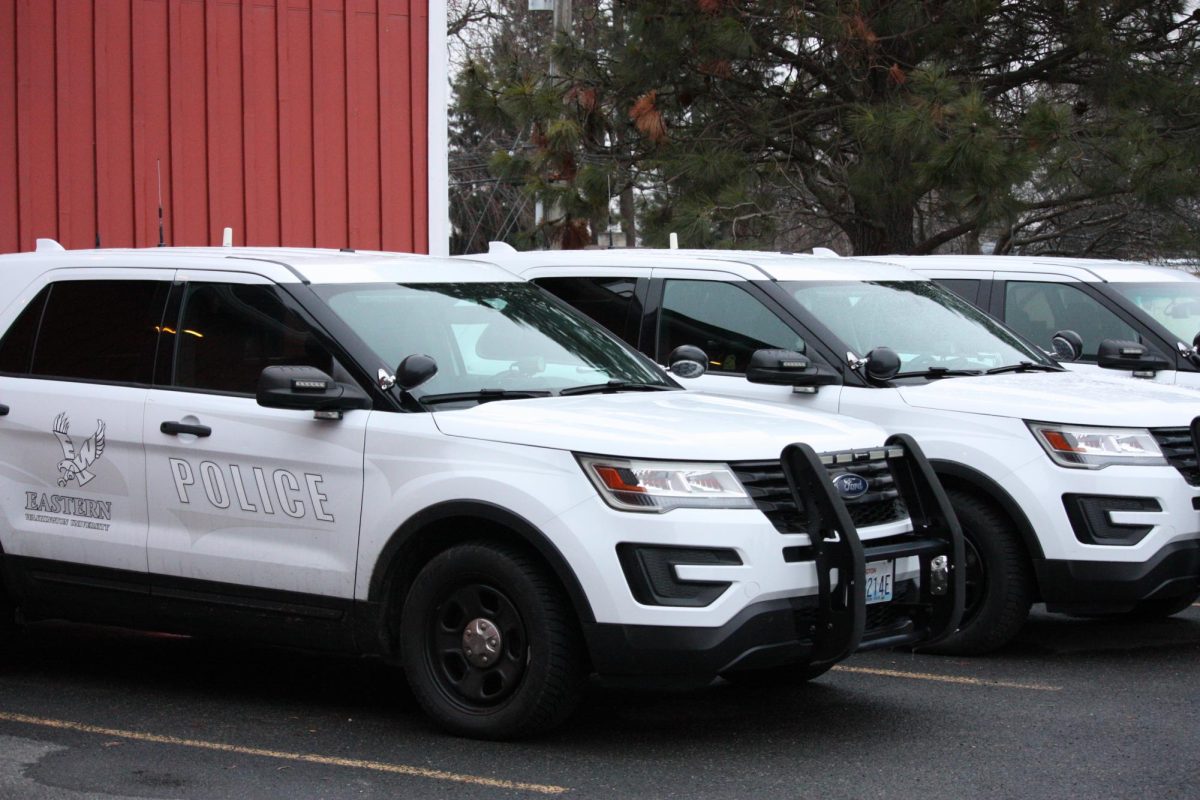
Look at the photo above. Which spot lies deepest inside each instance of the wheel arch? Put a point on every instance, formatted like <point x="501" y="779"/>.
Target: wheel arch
<point x="434" y="529"/>
<point x="954" y="474"/>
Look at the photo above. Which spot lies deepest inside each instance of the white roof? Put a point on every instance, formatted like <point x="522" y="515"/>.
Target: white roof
<point x="279" y="264"/>
<point x="1089" y="270"/>
<point x="746" y="264"/>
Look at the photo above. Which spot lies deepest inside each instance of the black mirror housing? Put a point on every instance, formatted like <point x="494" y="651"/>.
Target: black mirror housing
<point x="882" y="363"/>
<point x="789" y="368"/>
<point x="415" y="370"/>
<point x="1119" y="354"/>
<point x="1066" y="345"/>
<point x="307" y="389"/>
<point x="687" y="361"/>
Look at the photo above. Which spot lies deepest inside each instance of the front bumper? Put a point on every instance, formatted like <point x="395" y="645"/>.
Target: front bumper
<point x="826" y="626"/>
<point x="1116" y="586"/>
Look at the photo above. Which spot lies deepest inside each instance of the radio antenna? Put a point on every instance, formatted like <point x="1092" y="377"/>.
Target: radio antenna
<point x="158" y="166"/>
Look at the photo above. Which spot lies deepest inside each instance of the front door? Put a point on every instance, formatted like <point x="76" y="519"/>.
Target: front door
<point x="241" y="495"/>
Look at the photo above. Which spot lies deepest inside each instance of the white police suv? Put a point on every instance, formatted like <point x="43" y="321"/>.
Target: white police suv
<point x="1105" y="317"/>
<point x="1076" y="491"/>
<point x="435" y="462"/>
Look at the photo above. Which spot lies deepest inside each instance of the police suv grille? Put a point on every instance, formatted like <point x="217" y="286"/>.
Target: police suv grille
<point x="765" y="483"/>
<point x="1180" y="451"/>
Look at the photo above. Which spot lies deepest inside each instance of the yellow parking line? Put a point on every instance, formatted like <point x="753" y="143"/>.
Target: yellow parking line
<point x="930" y="676"/>
<point x="308" y="758"/>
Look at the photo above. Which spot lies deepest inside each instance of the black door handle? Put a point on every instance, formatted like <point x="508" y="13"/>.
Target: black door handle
<point x="176" y="428"/>
<point x="3" y="410"/>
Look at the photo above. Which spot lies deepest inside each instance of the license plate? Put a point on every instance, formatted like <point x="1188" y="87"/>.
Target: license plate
<point x="880" y="576"/>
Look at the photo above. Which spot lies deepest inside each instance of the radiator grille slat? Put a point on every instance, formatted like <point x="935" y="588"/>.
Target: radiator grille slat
<point x="1180" y="451"/>
<point x="765" y="483"/>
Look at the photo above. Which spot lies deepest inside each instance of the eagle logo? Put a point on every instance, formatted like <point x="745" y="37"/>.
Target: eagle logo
<point x="74" y="466"/>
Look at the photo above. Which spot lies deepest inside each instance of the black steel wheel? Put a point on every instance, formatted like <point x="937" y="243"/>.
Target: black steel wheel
<point x="1000" y="585"/>
<point x="490" y="644"/>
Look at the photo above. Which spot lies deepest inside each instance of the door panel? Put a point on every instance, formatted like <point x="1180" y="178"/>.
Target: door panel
<point x="242" y="494"/>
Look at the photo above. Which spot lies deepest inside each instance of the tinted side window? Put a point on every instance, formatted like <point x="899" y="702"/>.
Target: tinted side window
<point x="965" y="288"/>
<point x="228" y="333"/>
<point x="100" y="330"/>
<point x="1038" y="310"/>
<point x="610" y="301"/>
<point x="722" y="319"/>
<point x="16" y="348"/>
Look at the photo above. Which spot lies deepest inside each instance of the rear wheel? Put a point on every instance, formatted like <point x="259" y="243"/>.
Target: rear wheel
<point x="489" y="643"/>
<point x="999" y="579"/>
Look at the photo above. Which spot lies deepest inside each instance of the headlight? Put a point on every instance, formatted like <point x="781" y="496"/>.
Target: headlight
<point x="658" y="486"/>
<point x="1095" y="448"/>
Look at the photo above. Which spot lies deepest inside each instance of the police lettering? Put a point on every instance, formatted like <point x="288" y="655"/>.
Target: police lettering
<point x="262" y="491"/>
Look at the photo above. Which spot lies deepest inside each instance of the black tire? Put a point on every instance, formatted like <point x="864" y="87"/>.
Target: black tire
<point x="535" y="676"/>
<point x="1000" y="581"/>
<point x="8" y="619"/>
<point x="1161" y="609"/>
<point x="781" y="677"/>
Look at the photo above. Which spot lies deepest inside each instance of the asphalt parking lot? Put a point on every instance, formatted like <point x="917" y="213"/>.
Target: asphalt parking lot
<point x="1074" y="708"/>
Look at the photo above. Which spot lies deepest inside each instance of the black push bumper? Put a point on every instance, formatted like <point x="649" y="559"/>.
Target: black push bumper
<point x="826" y="627"/>
<point x="1099" y="587"/>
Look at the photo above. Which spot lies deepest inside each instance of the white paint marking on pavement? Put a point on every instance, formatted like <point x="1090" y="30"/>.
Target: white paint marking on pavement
<point x="307" y="758"/>
<point x="959" y="679"/>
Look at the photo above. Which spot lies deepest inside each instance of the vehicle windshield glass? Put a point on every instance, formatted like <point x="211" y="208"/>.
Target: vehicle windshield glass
<point x="927" y="325"/>
<point x="1174" y="305"/>
<point x="509" y="336"/>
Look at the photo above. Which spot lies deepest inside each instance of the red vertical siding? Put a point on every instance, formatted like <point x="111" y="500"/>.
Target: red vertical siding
<point x="113" y="48"/>
<point x="188" y="200"/>
<point x="294" y="122"/>
<point x="10" y="220"/>
<point x="37" y="168"/>
<point x="75" y="116"/>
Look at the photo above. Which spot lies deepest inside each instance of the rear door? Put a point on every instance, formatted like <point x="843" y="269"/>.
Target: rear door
<point x="75" y="369"/>
<point x="241" y="495"/>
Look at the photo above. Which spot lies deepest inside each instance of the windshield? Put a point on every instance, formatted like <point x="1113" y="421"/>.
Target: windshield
<point x="928" y="326"/>
<point x="486" y="336"/>
<point x="1174" y="305"/>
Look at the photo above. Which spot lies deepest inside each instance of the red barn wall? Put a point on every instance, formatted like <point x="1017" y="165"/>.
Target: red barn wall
<point x="295" y="122"/>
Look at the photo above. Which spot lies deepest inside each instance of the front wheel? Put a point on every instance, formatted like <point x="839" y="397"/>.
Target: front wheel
<point x="489" y="643"/>
<point x="999" y="579"/>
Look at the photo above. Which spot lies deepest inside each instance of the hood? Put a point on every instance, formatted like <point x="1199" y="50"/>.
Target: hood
<point x="677" y="425"/>
<point x="1067" y="397"/>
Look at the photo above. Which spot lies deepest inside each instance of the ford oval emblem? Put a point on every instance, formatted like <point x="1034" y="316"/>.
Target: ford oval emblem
<point x="850" y="486"/>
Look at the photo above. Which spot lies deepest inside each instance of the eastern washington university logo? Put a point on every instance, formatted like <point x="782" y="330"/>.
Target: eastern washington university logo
<point x="75" y="463"/>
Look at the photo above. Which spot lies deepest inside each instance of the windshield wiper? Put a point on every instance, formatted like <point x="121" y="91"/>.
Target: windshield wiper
<point x="481" y="396"/>
<point x="614" y="386"/>
<point x="1024" y="366"/>
<point x="933" y="373"/>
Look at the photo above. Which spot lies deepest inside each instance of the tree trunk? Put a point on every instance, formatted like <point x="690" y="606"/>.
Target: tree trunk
<point x="888" y="232"/>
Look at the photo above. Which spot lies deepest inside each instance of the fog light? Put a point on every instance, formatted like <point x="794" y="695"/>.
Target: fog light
<point x="939" y="575"/>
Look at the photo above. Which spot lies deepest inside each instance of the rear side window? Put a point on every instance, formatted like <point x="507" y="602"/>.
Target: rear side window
<point x="610" y="301"/>
<point x="965" y="288"/>
<point x="16" y="348"/>
<point x="229" y="333"/>
<point x="102" y="331"/>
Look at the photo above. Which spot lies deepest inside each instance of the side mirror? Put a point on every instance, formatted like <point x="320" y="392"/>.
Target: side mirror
<point x="1118" y="354"/>
<point x="1067" y="345"/>
<point x="308" y="389"/>
<point x="882" y="364"/>
<point x="687" y="361"/>
<point x="789" y="368"/>
<point x="415" y="370"/>
<point x="1196" y="342"/>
